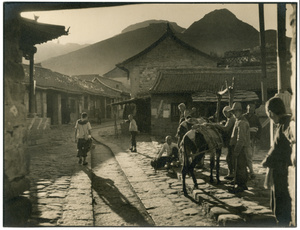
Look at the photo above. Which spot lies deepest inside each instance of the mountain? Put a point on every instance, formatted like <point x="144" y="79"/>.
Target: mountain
<point x="51" y="49"/>
<point x="101" y="57"/>
<point x="149" y="22"/>
<point x="220" y="31"/>
<point x="217" y="32"/>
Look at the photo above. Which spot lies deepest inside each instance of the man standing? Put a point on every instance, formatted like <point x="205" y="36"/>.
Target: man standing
<point x="240" y="141"/>
<point x="82" y="137"/>
<point x="227" y="131"/>
<point x="133" y="131"/>
<point x="278" y="160"/>
<point x="182" y="109"/>
<point x="255" y="133"/>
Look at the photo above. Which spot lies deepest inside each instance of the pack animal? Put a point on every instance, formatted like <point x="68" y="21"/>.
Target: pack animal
<point x="195" y="144"/>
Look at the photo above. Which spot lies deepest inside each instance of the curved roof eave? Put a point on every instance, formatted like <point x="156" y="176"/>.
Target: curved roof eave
<point x="169" y="32"/>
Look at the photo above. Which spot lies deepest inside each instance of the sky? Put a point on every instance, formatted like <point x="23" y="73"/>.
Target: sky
<point x="88" y="26"/>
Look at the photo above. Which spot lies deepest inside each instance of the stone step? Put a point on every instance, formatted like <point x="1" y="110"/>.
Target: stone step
<point x="229" y="210"/>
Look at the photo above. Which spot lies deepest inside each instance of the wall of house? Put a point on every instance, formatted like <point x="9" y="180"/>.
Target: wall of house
<point x="161" y="120"/>
<point x="118" y="75"/>
<point x="16" y="162"/>
<point x="168" y="54"/>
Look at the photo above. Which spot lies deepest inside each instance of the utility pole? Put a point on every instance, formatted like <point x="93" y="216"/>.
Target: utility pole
<point x="281" y="48"/>
<point x="263" y="53"/>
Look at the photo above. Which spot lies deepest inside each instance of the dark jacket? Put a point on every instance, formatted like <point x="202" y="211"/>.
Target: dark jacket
<point x="254" y="122"/>
<point x="280" y="153"/>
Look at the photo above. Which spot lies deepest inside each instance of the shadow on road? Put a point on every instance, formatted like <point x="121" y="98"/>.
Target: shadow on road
<point x="118" y="203"/>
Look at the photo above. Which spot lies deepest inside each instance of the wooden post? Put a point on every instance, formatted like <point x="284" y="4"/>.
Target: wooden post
<point x="281" y="48"/>
<point x="231" y="90"/>
<point x="262" y="53"/>
<point x="32" y="109"/>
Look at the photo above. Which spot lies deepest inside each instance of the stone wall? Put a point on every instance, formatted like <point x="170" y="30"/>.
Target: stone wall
<point x="16" y="164"/>
<point x="169" y="54"/>
<point x="16" y="209"/>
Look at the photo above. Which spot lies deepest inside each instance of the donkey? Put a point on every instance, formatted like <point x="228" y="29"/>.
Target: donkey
<point x="195" y="144"/>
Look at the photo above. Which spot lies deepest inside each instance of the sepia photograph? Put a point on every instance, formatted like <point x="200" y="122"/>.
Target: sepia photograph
<point x="149" y="114"/>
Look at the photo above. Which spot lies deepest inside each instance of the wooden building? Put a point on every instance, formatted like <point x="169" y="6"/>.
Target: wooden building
<point x="168" y="52"/>
<point x="198" y="88"/>
<point x="62" y="98"/>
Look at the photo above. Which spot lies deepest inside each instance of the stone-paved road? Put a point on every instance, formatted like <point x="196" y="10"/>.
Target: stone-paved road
<point x="115" y="203"/>
<point x="64" y="193"/>
<point x="158" y="191"/>
<point x="250" y="208"/>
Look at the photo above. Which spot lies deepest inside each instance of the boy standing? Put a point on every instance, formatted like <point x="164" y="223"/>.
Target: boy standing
<point x="133" y="131"/>
<point x="82" y="135"/>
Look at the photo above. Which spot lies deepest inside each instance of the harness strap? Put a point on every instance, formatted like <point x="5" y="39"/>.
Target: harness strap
<point x="194" y="155"/>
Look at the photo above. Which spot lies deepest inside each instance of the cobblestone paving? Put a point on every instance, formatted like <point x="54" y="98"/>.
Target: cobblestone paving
<point x="61" y="191"/>
<point x="57" y="193"/>
<point x="114" y="201"/>
<point x="250" y="208"/>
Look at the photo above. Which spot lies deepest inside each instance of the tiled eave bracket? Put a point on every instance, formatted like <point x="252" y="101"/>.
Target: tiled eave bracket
<point x="33" y="33"/>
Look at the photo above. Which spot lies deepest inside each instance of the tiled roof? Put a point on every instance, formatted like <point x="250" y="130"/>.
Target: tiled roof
<point x="110" y="83"/>
<point x="46" y="79"/>
<point x="169" y="33"/>
<point x="33" y="32"/>
<point x="239" y="95"/>
<point x="211" y="80"/>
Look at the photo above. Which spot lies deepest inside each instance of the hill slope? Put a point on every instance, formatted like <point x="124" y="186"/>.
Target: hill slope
<point x="101" y="57"/>
<point x="149" y="22"/>
<point x="217" y="32"/>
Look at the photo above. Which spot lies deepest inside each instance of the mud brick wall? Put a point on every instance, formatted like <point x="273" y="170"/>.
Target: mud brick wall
<point x="16" y="164"/>
<point x="161" y="126"/>
<point x="169" y="54"/>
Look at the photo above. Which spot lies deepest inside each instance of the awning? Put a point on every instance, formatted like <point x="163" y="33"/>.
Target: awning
<point x="132" y="100"/>
<point x="239" y="96"/>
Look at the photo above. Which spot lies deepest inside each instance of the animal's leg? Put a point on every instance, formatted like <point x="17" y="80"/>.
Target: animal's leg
<point x="218" y="155"/>
<point x="212" y="165"/>
<point x="183" y="173"/>
<point x="191" y="169"/>
<point x="194" y="179"/>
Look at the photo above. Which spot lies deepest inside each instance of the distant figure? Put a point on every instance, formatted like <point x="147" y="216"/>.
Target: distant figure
<point x="240" y="141"/>
<point x="182" y="109"/>
<point x="171" y="150"/>
<point x="133" y="129"/>
<point x="278" y="160"/>
<point x="98" y="115"/>
<point x="83" y="137"/>
<point x="255" y="133"/>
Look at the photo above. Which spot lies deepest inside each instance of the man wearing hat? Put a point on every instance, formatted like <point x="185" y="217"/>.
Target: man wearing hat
<point x="227" y="131"/>
<point x="240" y="141"/>
<point x="255" y="133"/>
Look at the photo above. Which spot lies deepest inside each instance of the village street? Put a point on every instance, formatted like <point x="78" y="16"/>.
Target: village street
<point x="119" y="188"/>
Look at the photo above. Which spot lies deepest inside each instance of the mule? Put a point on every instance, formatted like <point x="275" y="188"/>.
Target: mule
<point x="202" y="139"/>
